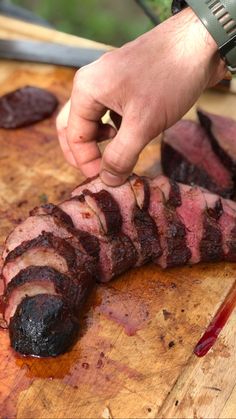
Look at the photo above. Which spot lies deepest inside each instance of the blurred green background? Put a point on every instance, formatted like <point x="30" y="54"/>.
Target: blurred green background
<point x="110" y="21"/>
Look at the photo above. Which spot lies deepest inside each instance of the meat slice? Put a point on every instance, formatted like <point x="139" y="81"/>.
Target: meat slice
<point x="222" y="134"/>
<point x="43" y="325"/>
<point x="124" y="195"/>
<point x="211" y="245"/>
<point x="55" y="211"/>
<point x="111" y="247"/>
<point x="25" y="106"/>
<point x="106" y="208"/>
<point x="64" y="228"/>
<point x="140" y="187"/>
<point x="31" y="228"/>
<point x="43" y="280"/>
<point x="164" y="199"/>
<point x="58" y="254"/>
<point x="187" y="156"/>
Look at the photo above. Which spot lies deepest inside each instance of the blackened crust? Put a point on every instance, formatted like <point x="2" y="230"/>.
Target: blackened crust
<point x="217" y="211"/>
<point x="174" y="199"/>
<point x="148" y="235"/>
<point x="178" y="251"/>
<point x="109" y="208"/>
<point x="55" y="211"/>
<point x="89" y="242"/>
<point x="211" y="249"/>
<point x="26" y="106"/>
<point x="66" y="286"/>
<point x="231" y="255"/>
<point x="177" y="167"/>
<point x="224" y="157"/>
<point x="124" y="254"/>
<point x="42" y="326"/>
<point x="46" y="240"/>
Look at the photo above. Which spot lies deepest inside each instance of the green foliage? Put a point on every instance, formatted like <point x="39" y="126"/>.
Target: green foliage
<point x="160" y="7"/>
<point x="109" y="21"/>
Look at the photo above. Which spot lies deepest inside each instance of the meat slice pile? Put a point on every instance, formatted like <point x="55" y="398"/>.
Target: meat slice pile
<point x="204" y="154"/>
<point x="54" y="257"/>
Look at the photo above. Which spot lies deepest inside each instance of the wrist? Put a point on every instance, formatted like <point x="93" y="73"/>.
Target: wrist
<point x="200" y="45"/>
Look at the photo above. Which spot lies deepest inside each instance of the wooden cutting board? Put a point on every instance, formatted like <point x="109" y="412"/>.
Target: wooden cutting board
<point x="134" y="358"/>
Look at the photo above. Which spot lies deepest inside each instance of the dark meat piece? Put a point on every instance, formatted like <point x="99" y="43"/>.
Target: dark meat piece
<point x="44" y="280"/>
<point x="211" y="245"/>
<point x="140" y="187"/>
<point x="62" y="226"/>
<point x="57" y="252"/>
<point x="43" y="326"/>
<point x="165" y="199"/>
<point x="148" y="235"/>
<point x="26" y="106"/>
<point x="222" y="134"/>
<point x="126" y="199"/>
<point x="106" y="208"/>
<point x="110" y="247"/>
<point x="187" y="157"/>
<point x="55" y="211"/>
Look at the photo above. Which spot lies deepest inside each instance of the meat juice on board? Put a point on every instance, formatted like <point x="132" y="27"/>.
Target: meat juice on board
<point x="216" y="325"/>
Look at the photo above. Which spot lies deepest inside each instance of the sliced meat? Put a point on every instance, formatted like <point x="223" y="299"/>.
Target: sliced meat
<point x="165" y="198"/>
<point x="31" y="228"/>
<point x="58" y="254"/>
<point x="140" y="187"/>
<point x="25" y="106"/>
<point x="187" y="156"/>
<point x="106" y="208"/>
<point x="211" y="245"/>
<point x="222" y="134"/>
<point x="43" y="325"/>
<point x="43" y="280"/>
<point x="55" y="211"/>
<point x="125" y="197"/>
<point x="83" y="217"/>
<point x="89" y="242"/>
<point x="191" y="213"/>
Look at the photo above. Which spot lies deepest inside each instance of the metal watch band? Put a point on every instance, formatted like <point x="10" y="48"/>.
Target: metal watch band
<point x="219" y="17"/>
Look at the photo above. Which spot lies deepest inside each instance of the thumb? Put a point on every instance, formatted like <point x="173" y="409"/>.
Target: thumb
<point x="121" y="154"/>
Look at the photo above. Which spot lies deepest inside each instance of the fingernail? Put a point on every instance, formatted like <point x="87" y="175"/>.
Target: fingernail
<point x="111" y="179"/>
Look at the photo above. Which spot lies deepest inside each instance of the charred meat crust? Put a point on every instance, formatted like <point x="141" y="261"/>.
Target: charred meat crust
<point x="231" y="255"/>
<point x="140" y="184"/>
<point x="55" y="211"/>
<point x="43" y="326"/>
<point x="211" y="249"/>
<point x="148" y="235"/>
<point x="177" y="167"/>
<point x="124" y="254"/>
<point x="178" y="252"/>
<point x="225" y="158"/>
<point x="110" y="209"/>
<point x="26" y="106"/>
<point x="89" y="242"/>
<point x="174" y="199"/>
<point x="72" y="290"/>
<point x="47" y="240"/>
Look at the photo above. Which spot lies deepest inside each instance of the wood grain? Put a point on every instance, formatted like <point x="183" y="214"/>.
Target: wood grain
<point x="150" y="374"/>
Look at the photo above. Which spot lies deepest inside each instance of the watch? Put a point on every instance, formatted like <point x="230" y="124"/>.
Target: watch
<point x="219" y="17"/>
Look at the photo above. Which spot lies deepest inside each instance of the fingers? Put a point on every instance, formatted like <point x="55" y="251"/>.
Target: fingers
<point x="61" y="123"/>
<point x="102" y="132"/>
<point x="85" y="128"/>
<point x="121" y="155"/>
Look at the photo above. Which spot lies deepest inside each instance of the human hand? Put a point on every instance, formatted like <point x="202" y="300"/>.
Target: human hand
<point x="148" y="84"/>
